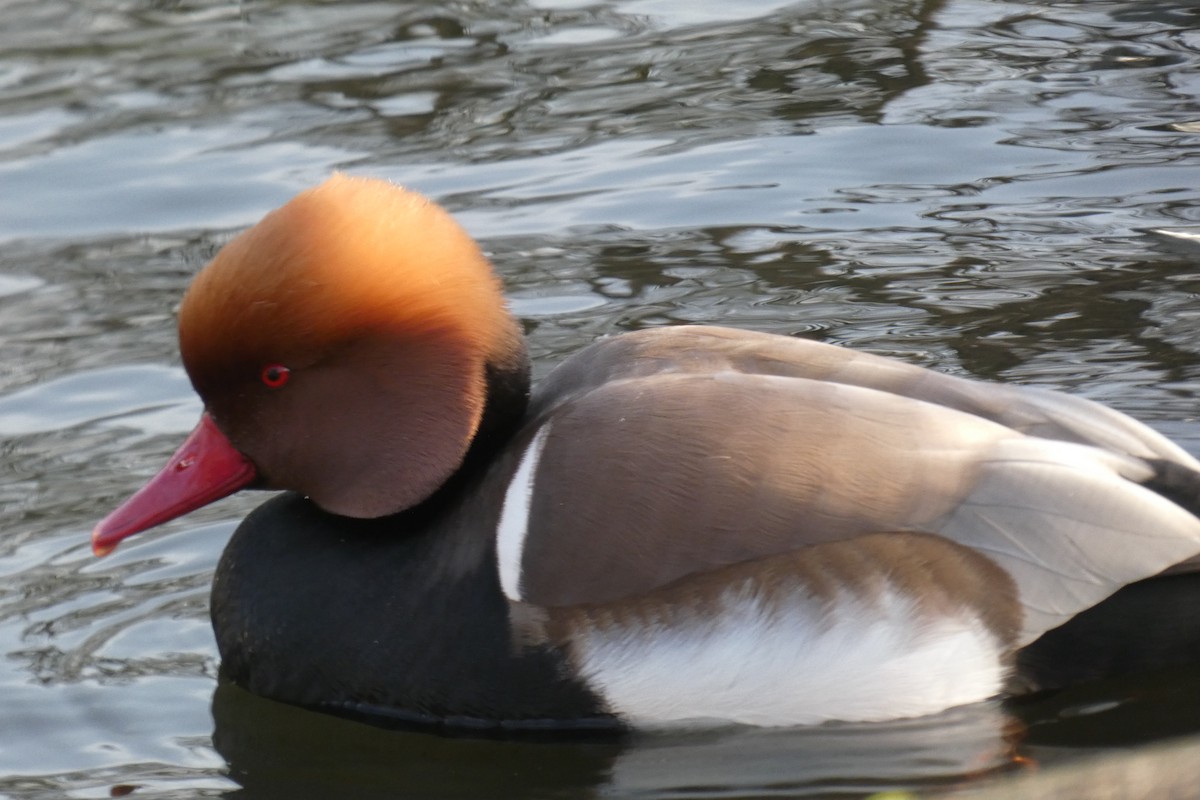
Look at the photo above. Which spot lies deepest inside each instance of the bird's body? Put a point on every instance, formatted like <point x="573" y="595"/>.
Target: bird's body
<point x="679" y="524"/>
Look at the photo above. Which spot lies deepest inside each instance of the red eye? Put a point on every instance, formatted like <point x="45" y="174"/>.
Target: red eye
<point x="275" y="375"/>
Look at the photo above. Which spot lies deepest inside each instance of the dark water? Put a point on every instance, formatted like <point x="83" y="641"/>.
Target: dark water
<point x="1009" y="190"/>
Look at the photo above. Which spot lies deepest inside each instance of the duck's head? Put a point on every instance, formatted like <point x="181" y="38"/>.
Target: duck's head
<point x="347" y="347"/>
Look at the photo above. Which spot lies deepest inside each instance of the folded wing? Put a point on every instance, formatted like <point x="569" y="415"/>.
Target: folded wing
<point x="756" y="449"/>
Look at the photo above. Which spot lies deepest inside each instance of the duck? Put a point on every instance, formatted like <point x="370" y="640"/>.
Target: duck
<point x="681" y="525"/>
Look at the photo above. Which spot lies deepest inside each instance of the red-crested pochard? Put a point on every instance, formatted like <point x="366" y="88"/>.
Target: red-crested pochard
<point x="686" y="523"/>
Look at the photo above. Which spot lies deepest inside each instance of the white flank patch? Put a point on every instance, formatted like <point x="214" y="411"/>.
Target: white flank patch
<point x="788" y="663"/>
<point x="514" y="517"/>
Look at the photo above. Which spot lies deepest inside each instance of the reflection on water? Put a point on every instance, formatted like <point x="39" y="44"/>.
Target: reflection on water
<point x="278" y="749"/>
<point x="1000" y="189"/>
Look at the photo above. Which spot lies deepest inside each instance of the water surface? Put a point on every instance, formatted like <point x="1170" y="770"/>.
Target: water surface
<point x="1008" y="190"/>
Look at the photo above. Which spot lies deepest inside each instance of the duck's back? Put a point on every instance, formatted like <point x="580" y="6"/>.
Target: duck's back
<point x="664" y="453"/>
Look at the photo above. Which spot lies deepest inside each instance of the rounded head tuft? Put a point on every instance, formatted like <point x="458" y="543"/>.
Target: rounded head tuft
<point x="349" y="255"/>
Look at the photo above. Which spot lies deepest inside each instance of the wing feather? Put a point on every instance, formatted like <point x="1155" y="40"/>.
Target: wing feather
<point x="749" y="446"/>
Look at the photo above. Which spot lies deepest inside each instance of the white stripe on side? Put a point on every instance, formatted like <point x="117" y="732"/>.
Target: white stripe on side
<point x="514" y="517"/>
<point x="791" y="663"/>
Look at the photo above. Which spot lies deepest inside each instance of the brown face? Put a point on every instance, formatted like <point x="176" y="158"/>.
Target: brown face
<point x="372" y="427"/>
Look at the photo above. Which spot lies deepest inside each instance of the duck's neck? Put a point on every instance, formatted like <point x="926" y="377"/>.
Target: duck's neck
<point x="507" y="400"/>
<point x="507" y="396"/>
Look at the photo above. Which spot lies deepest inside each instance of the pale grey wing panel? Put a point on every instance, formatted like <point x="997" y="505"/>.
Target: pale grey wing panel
<point x="1053" y="415"/>
<point x="1069" y="524"/>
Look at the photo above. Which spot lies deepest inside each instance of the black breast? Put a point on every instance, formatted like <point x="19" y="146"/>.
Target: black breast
<point x="398" y="620"/>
